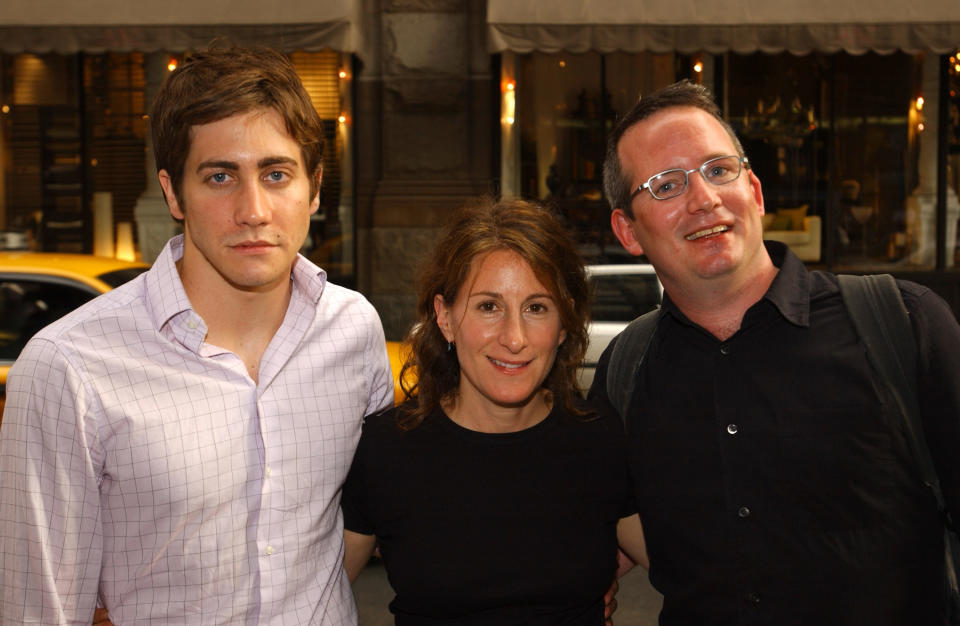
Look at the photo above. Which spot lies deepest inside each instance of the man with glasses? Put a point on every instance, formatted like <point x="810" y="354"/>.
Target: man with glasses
<point x="771" y="477"/>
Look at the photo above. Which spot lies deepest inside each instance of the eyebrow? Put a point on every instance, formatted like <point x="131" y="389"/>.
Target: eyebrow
<point x="495" y="294"/>
<point x="233" y="165"/>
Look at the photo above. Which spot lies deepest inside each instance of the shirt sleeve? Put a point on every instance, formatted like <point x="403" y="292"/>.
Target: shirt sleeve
<point x="50" y="528"/>
<point x="356" y="517"/>
<point x="379" y="373"/>
<point x="938" y="343"/>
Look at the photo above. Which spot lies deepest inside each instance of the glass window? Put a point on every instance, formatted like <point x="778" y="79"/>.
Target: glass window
<point x="28" y="304"/>
<point x="622" y="297"/>
<point x="849" y="142"/>
<point x="953" y="159"/>
<point x="565" y="106"/>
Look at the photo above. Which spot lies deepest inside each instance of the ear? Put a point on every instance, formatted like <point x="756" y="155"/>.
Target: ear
<point x="624" y="228"/>
<point x="315" y="201"/>
<point x="172" y="203"/>
<point x="757" y="191"/>
<point x="443" y="317"/>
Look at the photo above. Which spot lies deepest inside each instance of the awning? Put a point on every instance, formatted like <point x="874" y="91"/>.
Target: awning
<point x="744" y="26"/>
<point x="175" y="25"/>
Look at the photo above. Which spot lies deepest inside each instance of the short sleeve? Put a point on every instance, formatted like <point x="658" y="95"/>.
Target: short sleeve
<point x="356" y="493"/>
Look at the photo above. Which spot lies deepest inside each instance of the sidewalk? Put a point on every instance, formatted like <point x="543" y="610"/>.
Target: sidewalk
<point x="638" y="602"/>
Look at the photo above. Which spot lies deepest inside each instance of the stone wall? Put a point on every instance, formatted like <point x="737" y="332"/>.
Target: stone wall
<point x="424" y="107"/>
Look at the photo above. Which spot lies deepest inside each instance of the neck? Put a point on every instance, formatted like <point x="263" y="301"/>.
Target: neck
<point x="241" y="321"/>
<point x="486" y="417"/>
<point x="719" y="304"/>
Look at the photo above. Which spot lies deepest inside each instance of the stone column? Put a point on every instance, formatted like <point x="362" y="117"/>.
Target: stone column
<point x="154" y="223"/>
<point x="424" y="138"/>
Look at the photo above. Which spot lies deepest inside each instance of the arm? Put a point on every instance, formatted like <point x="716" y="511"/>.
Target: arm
<point x="630" y="537"/>
<point x="938" y="342"/>
<point x="378" y="372"/>
<point x="357" y="551"/>
<point x="50" y="533"/>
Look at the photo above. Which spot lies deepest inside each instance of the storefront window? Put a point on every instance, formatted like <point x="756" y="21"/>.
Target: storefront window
<point x="565" y="105"/>
<point x="953" y="157"/>
<point x="75" y="125"/>
<point x="845" y="145"/>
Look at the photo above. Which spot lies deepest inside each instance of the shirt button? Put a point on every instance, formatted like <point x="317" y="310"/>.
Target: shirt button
<point x="269" y="471"/>
<point x="192" y="325"/>
<point x="732" y="429"/>
<point x="724" y="349"/>
<point x="268" y="551"/>
<point x="743" y="512"/>
<point x="754" y="598"/>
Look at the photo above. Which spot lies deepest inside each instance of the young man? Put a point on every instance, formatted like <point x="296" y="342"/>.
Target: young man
<point x="772" y="478"/>
<point x="174" y="450"/>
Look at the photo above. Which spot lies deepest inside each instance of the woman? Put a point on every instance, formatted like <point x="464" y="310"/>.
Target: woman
<point x="494" y="493"/>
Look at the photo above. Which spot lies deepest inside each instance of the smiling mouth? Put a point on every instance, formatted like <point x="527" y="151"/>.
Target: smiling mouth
<point x="707" y="232"/>
<point x="508" y="366"/>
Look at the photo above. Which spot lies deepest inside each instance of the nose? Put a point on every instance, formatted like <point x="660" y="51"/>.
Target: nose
<point x="701" y="195"/>
<point x="253" y="207"/>
<point x="513" y="334"/>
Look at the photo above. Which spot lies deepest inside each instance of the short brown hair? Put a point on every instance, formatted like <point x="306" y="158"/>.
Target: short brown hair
<point x="225" y="80"/>
<point x="486" y="226"/>
<point x="680" y="94"/>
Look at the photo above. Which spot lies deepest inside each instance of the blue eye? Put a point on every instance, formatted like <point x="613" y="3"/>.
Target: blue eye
<point x="665" y="188"/>
<point x="277" y="176"/>
<point x="219" y="177"/>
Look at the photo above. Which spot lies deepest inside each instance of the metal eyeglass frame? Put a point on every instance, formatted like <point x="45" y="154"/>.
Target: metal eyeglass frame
<point x="741" y="162"/>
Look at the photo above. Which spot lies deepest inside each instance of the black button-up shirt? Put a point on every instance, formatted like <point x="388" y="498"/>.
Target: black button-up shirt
<point x="772" y="477"/>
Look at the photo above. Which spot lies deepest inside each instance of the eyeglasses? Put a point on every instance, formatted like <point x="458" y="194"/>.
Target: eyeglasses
<point x="672" y="183"/>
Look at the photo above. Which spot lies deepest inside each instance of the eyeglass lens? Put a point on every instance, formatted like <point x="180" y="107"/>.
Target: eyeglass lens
<point x="672" y="183"/>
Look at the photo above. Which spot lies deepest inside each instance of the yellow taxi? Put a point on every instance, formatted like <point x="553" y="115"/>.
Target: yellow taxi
<point x="36" y="288"/>
<point x="398" y="353"/>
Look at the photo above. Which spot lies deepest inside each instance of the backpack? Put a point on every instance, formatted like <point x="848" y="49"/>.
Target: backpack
<point x="882" y="322"/>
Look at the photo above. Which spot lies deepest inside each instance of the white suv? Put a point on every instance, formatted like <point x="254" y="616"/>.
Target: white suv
<point x="618" y="293"/>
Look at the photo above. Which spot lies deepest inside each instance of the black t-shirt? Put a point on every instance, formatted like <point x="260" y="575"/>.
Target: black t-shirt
<point x="477" y="528"/>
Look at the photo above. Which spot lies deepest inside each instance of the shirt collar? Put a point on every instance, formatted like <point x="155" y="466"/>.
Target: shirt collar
<point x="790" y="289"/>
<point x="167" y="299"/>
<point x="789" y="292"/>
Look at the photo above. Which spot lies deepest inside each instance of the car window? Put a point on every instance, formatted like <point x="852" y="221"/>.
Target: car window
<point x="118" y="277"/>
<point x="622" y="297"/>
<point x="28" y="304"/>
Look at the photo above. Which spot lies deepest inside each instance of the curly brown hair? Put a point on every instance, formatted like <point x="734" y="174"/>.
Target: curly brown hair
<point x="538" y="237"/>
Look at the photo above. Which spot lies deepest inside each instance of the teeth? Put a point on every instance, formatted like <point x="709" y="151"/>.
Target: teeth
<point x="709" y="231"/>
<point x="509" y="366"/>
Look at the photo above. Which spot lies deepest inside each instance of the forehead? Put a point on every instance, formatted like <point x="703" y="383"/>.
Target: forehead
<point x="502" y="270"/>
<point x="675" y="137"/>
<point x="257" y="133"/>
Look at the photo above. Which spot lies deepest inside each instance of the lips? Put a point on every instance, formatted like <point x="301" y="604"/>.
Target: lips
<point x="707" y="232"/>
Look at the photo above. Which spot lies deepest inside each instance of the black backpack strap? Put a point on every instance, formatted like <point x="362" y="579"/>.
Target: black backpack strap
<point x="626" y="357"/>
<point x="883" y="324"/>
<point x="882" y="321"/>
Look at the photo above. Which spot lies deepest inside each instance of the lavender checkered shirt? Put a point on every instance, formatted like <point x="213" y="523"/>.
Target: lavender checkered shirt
<point x="143" y="469"/>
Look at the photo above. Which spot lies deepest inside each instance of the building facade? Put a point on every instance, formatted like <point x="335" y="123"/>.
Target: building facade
<point x="850" y="116"/>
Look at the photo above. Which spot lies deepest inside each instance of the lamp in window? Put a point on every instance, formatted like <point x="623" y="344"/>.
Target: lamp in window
<point x="509" y="102"/>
